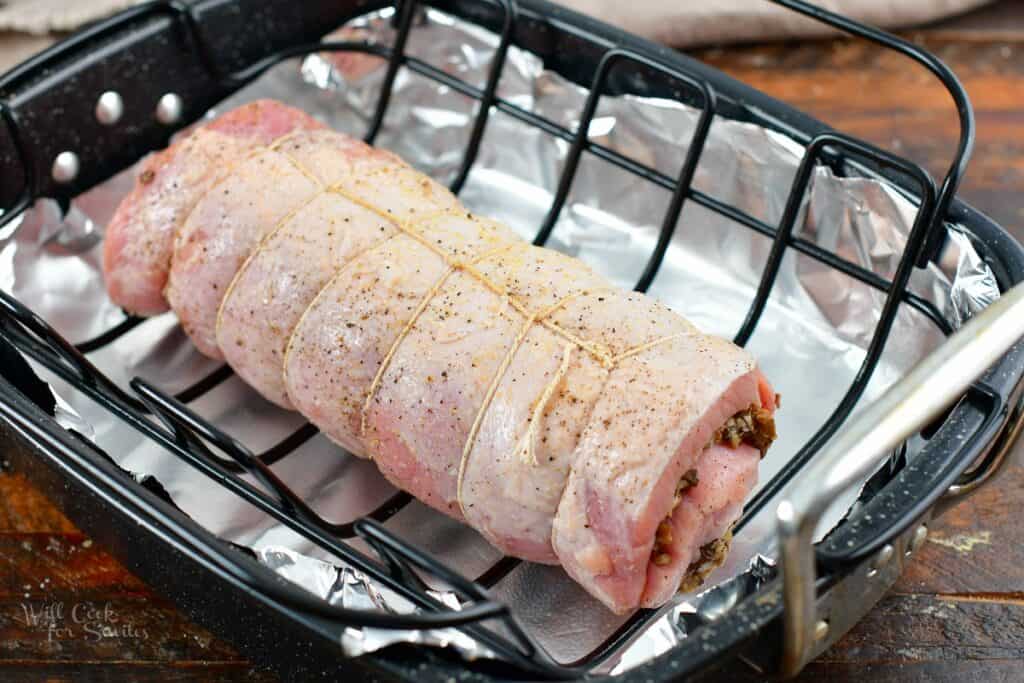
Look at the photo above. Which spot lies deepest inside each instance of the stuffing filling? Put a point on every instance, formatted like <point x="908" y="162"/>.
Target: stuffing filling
<point x="711" y="556"/>
<point x="753" y="426"/>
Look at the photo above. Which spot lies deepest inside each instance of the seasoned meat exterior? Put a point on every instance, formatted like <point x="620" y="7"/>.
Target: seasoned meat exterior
<point x="509" y="386"/>
<point x="140" y="237"/>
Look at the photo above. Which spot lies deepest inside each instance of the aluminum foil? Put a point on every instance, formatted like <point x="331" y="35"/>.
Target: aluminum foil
<point x="350" y="588"/>
<point x="810" y="341"/>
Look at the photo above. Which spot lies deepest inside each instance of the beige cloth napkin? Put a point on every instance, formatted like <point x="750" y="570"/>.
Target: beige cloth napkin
<point x="700" y="22"/>
<point x="675" y="22"/>
<point x="39" y="17"/>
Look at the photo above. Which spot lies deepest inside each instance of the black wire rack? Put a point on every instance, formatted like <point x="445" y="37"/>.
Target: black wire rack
<point x="399" y="565"/>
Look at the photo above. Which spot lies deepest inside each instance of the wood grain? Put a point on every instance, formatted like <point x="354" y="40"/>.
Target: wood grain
<point x="70" y="612"/>
<point x="977" y="549"/>
<point x="956" y="614"/>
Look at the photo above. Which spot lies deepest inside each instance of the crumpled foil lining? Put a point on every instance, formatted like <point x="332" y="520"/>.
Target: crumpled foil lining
<point x="347" y="587"/>
<point x="810" y="341"/>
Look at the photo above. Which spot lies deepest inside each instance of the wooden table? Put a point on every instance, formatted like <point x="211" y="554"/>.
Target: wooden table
<point x="957" y="613"/>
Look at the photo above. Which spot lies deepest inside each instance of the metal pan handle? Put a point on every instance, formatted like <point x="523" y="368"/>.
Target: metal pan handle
<point x="972" y="480"/>
<point x="931" y="387"/>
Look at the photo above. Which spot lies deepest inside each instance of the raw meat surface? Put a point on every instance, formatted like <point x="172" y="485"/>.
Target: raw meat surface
<point x="506" y="385"/>
<point x="297" y="259"/>
<point x="140" y="236"/>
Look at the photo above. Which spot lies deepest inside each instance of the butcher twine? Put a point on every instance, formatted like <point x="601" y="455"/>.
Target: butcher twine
<point x="525" y="448"/>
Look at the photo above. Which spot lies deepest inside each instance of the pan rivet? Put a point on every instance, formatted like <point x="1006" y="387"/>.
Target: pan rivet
<point x="109" y="108"/>
<point x="65" y="167"/>
<point x="881" y="559"/>
<point x="821" y="630"/>
<point x="169" y="109"/>
<point x="920" y="536"/>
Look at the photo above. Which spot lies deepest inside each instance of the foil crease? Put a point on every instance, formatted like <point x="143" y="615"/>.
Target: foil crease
<point x="347" y="587"/>
<point x="811" y="339"/>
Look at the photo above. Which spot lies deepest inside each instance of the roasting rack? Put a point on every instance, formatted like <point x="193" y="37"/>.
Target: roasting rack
<point x="205" y="50"/>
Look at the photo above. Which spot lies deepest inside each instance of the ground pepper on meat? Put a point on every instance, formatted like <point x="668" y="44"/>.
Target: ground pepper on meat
<point x="753" y="426"/>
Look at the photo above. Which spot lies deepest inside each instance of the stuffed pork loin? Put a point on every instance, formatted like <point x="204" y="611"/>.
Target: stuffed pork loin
<point x="509" y="386"/>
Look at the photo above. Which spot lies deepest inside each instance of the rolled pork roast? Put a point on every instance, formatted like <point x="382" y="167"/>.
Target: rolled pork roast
<point x="509" y="386"/>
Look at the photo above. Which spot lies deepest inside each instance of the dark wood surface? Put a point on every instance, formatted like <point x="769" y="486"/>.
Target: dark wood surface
<point x="70" y="612"/>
